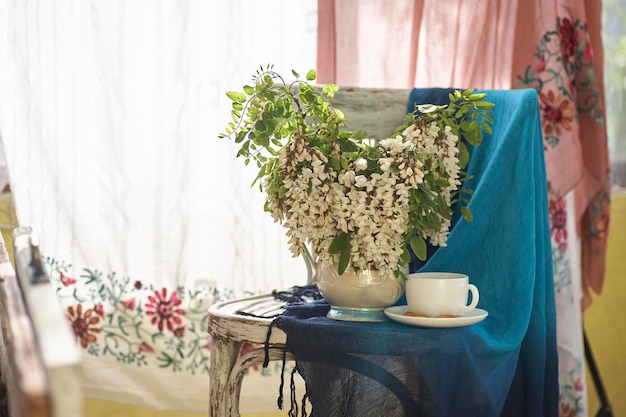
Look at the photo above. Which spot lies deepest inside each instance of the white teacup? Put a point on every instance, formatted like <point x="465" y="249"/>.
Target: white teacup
<point x="437" y="294"/>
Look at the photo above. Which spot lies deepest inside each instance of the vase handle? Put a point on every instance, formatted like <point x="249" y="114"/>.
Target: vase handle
<point x="310" y="265"/>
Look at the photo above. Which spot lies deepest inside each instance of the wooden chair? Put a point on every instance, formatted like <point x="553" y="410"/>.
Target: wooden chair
<point x="376" y="111"/>
<point x="39" y="361"/>
<point x="229" y="330"/>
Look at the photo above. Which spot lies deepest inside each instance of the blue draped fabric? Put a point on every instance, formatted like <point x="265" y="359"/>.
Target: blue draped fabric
<point x="505" y="365"/>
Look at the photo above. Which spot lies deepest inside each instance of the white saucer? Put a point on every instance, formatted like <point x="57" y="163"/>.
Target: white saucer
<point x="397" y="314"/>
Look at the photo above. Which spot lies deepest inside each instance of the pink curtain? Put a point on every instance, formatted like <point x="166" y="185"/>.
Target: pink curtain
<point x="552" y="46"/>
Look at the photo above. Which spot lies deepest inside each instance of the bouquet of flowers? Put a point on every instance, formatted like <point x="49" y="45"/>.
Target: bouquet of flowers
<point x="358" y="202"/>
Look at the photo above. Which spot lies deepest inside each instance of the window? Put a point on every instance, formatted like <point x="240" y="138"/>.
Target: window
<point x="614" y="36"/>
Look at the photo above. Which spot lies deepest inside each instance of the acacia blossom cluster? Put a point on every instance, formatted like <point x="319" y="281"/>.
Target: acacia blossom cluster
<point x="369" y="199"/>
<point x="440" y="150"/>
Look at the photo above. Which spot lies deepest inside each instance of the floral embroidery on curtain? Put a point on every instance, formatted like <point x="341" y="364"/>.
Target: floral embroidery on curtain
<point x="559" y="240"/>
<point x="565" y="80"/>
<point x="562" y="76"/>
<point x="572" y="393"/>
<point x="139" y="324"/>
<point x="571" y="377"/>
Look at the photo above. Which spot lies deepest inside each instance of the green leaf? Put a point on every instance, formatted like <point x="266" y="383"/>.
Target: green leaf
<point x="236" y="96"/>
<point x="418" y="246"/>
<point x="468" y="92"/>
<point x="485" y="105"/>
<point x="461" y="112"/>
<point x="405" y="258"/>
<point x="399" y="274"/>
<point x="477" y="97"/>
<point x="443" y="183"/>
<point x="295" y="74"/>
<point x="471" y="133"/>
<point x="311" y="75"/>
<point x="260" y="125"/>
<point x="248" y="90"/>
<point x="432" y="221"/>
<point x="244" y="150"/>
<point x="347" y="145"/>
<point x="338" y="243"/>
<point x="467" y="214"/>
<point x="463" y="155"/>
<point x="262" y="139"/>
<point x="487" y="118"/>
<point x="344" y="259"/>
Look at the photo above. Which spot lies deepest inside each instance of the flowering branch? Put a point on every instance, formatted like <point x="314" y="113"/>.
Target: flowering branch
<point x="357" y="202"/>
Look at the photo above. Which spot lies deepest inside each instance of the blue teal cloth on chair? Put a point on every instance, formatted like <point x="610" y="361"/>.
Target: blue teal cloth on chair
<point x="505" y="365"/>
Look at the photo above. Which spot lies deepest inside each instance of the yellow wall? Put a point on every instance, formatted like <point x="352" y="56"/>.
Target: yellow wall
<point x="604" y="320"/>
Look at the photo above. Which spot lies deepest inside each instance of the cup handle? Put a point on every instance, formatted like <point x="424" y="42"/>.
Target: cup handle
<point x="472" y="288"/>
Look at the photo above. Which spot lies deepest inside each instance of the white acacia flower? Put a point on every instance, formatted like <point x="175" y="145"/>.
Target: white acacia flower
<point x="385" y="163"/>
<point x="347" y="178"/>
<point x="360" y="181"/>
<point x="394" y="146"/>
<point x="360" y="164"/>
<point x="408" y="130"/>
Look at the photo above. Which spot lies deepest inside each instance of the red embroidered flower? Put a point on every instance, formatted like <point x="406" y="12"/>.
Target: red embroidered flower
<point x="565" y="410"/>
<point x="541" y="65"/>
<point x="588" y="51"/>
<point x="601" y="227"/>
<point x="99" y="309"/>
<point x="67" y="281"/>
<point x="83" y="325"/>
<point x="144" y="347"/>
<point x="569" y="39"/>
<point x="558" y="221"/>
<point x="138" y="285"/>
<point x="164" y="311"/>
<point x="579" y="385"/>
<point x="130" y="304"/>
<point x="556" y="113"/>
<point x="179" y="332"/>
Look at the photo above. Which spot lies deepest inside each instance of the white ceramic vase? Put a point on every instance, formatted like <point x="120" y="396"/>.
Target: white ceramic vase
<point x="357" y="296"/>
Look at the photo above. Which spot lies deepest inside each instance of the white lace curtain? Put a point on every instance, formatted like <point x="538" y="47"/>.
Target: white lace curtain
<point x="109" y="114"/>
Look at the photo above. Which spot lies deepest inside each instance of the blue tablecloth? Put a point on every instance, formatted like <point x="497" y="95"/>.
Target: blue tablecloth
<point x="504" y="365"/>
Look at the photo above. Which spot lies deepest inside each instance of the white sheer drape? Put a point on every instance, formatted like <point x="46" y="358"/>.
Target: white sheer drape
<point x="109" y="112"/>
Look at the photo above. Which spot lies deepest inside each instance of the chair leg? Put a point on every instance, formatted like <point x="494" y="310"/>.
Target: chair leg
<point x="255" y="356"/>
<point x="605" y="407"/>
<point x="223" y="357"/>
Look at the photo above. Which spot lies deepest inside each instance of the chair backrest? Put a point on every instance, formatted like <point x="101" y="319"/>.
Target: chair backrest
<point x="377" y="111"/>
<point x="39" y="357"/>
